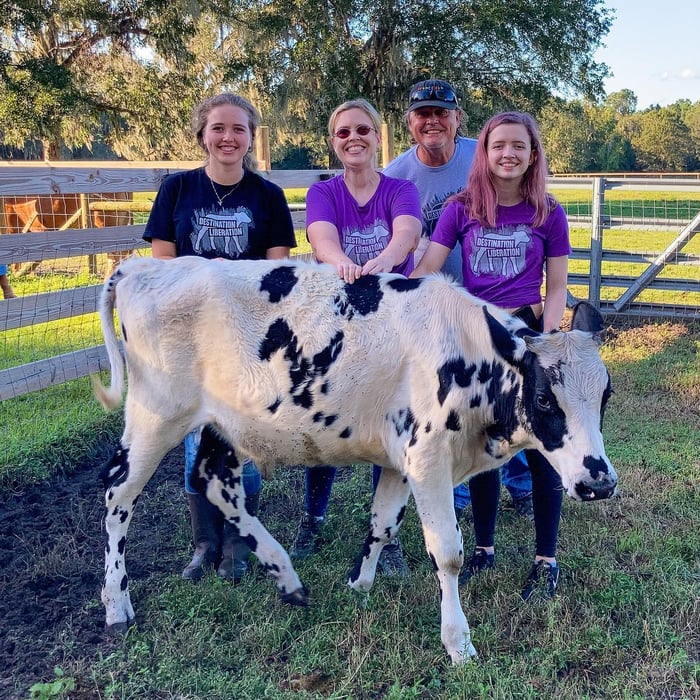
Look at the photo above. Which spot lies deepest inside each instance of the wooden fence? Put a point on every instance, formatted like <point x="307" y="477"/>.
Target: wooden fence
<point x="87" y="179"/>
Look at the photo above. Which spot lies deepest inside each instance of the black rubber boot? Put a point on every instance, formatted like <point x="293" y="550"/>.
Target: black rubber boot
<point x="234" y="551"/>
<point x="207" y="523"/>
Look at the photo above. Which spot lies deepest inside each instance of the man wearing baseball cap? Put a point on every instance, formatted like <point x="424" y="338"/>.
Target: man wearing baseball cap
<point x="440" y="160"/>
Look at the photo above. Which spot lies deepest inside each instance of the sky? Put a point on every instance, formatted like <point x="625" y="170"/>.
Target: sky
<point x="653" y="49"/>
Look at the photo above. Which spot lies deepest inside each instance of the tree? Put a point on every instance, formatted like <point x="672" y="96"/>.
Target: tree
<point x="569" y="137"/>
<point x="67" y="69"/>
<point x="660" y="140"/>
<point x="622" y="101"/>
<point x="304" y="58"/>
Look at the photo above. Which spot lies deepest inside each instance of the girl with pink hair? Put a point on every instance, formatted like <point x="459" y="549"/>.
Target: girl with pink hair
<point x="514" y="237"/>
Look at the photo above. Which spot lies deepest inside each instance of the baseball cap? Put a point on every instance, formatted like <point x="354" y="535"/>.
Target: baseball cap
<point x="432" y="93"/>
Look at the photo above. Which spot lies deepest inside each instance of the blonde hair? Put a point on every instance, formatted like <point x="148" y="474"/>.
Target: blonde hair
<point x="200" y="116"/>
<point x="358" y="103"/>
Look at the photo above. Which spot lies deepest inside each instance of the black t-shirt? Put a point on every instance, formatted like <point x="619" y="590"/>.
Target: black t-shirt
<point x="250" y="220"/>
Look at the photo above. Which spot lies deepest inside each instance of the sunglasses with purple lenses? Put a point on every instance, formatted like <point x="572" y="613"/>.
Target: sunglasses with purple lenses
<point x="361" y="130"/>
<point x="433" y="92"/>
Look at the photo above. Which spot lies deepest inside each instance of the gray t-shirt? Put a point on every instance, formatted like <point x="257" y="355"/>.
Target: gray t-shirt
<point x="435" y="185"/>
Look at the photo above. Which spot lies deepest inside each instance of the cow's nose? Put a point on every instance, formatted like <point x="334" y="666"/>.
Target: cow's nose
<point x="595" y="491"/>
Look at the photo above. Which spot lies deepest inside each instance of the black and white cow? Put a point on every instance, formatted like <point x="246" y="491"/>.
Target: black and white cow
<point x="294" y="366"/>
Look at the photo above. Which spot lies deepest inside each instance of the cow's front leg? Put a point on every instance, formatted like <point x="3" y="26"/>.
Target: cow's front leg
<point x="219" y="477"/>
<point x="443" y="540"/>
<point x="388" y="510"/>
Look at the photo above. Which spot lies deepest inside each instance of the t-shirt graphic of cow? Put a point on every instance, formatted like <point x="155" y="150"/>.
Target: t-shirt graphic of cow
<point x="500" y="251"/>
<point x="365" y="244"/>
<point x="225" y="232"/>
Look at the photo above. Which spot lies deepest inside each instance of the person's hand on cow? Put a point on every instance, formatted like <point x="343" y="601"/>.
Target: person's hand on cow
<point x="384" y="262"/>
<point x="349" y="272"/>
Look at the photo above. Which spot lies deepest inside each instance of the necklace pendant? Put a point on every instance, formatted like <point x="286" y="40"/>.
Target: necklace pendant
<point x="220" y="200"/>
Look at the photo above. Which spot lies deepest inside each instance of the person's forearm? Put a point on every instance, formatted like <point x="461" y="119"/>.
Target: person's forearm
<point x="554" y="305"/>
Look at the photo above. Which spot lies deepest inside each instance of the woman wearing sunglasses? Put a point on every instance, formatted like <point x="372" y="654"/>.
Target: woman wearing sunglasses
<point x="362" y="222"/>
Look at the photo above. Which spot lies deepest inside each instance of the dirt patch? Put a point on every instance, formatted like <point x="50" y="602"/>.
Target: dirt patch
<point x="51" y="562"/>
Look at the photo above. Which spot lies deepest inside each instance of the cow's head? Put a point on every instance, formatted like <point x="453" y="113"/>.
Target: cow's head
<point x="565" y="387"/>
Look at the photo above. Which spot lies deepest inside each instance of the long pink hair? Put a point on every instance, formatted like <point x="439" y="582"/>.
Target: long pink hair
<point x="480" y="197"/>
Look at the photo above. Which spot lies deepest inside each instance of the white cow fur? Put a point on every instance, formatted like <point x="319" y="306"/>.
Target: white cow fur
<point x="193" y="333"/>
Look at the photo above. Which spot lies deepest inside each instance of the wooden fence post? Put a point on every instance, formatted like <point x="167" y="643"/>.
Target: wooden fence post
<point x="262" y="148"/>
<point x="387" y="144"/>
<point x="85" y="223"/>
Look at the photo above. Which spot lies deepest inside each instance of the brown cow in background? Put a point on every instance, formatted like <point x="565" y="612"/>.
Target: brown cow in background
<point x="59" y="212"/>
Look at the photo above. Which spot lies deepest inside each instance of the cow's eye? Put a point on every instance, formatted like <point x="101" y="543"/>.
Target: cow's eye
<point x="543" y="403"/>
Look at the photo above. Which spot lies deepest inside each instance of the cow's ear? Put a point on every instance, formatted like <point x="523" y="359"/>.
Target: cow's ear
<point x="587" y="318"/>
<point x="509" y="346"/>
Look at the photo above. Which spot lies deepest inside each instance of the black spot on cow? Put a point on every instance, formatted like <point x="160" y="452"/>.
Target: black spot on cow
<point x="554" y="373"/>
<point x="279" y="282"/>
<point x="543" y="413"/>
<point x="323" y="360"/>
<point x="272" y="408"/>
<point x="607" y="393"/>
<point x="364" y="295"/>
<point x="354" y="573"/>
<point x="124" y="335"/>
<point x="503" y="342"/>
<point x="404" y="421"/>
<point x="495" y="379"/>
<point x="303" y="371"/>
<point x="405" y="285"/>
<point x="346" y="433"/>
<point x="453" y="422"/>
<point x="342" y="307"/>
<point x="453" y="371"/>
<point x="279" y="335"/>
<point x="595" y="466"/>
<point x="116" y="471"/>
<point x="121" y="545"/>
<point x="325" y="388"/>
<point x="320" y="417"/>
<point x="124" y="583"/>
<point x="215" y="459"/>
<point x="428" y="427"/>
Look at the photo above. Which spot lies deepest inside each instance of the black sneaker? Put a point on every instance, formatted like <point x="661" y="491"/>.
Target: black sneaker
<point x="544" y="577"/>
<point x="480" y="560"/>
<point x="391" y="561"/>
<point x="523" y="506"/>
<point x="308" y="537"/>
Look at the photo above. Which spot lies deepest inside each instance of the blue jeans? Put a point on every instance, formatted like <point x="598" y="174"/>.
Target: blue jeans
<point x="318" y="486"/>
<point x="252" y="481"/>
<point x="515" y="475"/>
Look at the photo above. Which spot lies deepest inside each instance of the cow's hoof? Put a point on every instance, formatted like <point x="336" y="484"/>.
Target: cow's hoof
<point x="298" y="597"/>
<point x="118" y="629"/>
<point x="464" y="656"/>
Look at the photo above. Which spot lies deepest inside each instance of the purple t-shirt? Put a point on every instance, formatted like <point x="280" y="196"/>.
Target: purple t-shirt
<point x="504" y="265"/>
<point x="364" y="231"/>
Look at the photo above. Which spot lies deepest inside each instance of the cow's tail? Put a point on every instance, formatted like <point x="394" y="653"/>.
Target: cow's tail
<point x="110" y="397"/>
